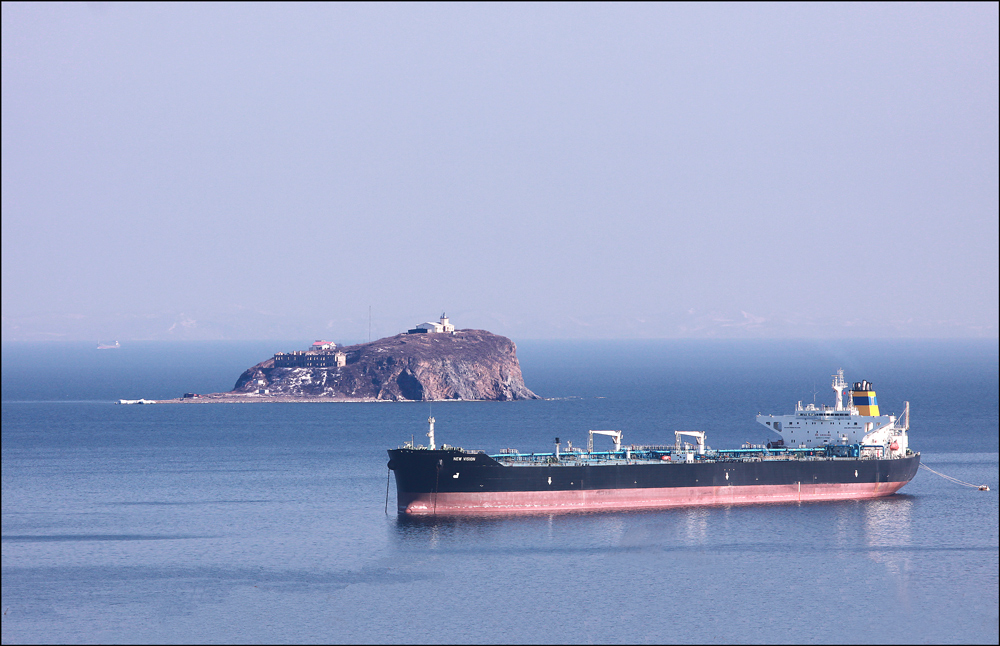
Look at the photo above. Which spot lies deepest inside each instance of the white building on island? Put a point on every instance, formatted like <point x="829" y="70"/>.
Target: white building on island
<point x="431" y="327"/>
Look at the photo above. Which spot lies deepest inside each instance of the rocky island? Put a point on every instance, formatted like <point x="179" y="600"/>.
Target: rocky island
<point x="421" y="365"/>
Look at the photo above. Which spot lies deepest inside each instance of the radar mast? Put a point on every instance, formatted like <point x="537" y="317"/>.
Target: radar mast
<point x="838" y="386"/>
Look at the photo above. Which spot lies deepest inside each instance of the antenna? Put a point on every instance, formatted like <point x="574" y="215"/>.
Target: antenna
<point x="369" y="324"/>
<point x="815" y="392"/>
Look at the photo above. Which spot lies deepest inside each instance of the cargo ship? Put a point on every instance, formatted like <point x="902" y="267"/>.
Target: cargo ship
<point x="824" y="453"/>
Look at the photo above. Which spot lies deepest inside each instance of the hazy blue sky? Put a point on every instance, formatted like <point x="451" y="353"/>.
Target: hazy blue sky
<point x="541" y="171"/>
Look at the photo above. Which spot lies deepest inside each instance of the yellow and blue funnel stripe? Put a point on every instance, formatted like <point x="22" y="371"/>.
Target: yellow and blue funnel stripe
<point x="864" y="400"/>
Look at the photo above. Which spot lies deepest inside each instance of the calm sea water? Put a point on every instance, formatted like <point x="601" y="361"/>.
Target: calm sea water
<point x="266" y="523"/>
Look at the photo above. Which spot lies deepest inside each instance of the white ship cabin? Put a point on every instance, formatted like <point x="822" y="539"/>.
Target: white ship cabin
<point x="859" y="422"/>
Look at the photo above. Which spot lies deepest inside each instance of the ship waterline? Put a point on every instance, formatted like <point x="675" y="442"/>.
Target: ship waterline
<point x="624" y="499"/>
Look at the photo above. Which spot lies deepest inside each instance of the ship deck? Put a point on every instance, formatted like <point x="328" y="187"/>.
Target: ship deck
<point x="671" y="455"/>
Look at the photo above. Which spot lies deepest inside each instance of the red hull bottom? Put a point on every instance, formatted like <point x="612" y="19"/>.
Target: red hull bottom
<point x="618" y="499"/>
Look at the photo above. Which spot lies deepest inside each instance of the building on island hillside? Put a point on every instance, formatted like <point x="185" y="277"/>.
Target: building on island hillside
<point x="431" y="327"/>
<point x="321" y="354"/>
<point x="300" y="359"/>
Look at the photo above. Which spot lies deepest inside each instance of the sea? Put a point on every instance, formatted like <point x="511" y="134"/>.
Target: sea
<point x="276" y="523"/>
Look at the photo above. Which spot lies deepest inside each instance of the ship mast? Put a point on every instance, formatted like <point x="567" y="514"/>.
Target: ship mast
<point x="430" y="434"/>
<point x="838" y="386"/>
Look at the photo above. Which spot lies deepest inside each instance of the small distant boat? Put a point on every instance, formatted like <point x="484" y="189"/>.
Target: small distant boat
<point x="105" y="346"/>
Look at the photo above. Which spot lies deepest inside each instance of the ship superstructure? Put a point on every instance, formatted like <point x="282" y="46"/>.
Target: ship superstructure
<point x="859" y="422"/>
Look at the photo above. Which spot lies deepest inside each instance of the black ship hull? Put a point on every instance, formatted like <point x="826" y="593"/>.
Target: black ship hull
<point x="447" y="482"/>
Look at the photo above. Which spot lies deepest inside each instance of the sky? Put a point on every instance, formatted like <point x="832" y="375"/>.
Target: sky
<point x="542" y="171"/>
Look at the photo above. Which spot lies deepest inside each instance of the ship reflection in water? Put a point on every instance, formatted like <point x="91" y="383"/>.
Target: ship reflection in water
<point x="887" y="535"/>
<point x="880" y="528"/>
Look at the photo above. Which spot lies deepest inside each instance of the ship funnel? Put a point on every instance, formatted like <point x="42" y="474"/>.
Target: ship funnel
<point x="863" y="396"/>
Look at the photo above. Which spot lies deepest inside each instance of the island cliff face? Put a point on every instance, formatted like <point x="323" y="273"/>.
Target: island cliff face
<point x="468" y="364"/>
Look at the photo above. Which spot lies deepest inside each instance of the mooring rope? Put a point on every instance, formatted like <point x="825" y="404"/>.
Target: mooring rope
<point x="955" y="480"/>
<point x="387" y="491"/>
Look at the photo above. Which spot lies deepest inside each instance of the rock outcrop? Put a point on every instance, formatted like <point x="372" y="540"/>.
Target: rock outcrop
<point x="468" y="364"/>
